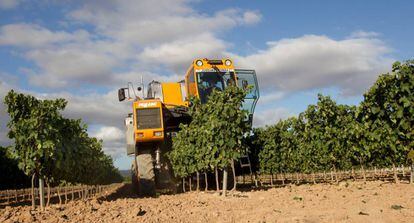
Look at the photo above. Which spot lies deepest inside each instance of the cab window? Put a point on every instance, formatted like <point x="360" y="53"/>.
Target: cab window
<point x="209" y="81"/>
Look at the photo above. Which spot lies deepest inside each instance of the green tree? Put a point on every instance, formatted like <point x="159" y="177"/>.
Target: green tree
<point x="214" y="137"/>
<point x="33" y="127"/>
<point x="388" y="114"/>
<point x="279" y="148"/>
<point x="51" y="147"/>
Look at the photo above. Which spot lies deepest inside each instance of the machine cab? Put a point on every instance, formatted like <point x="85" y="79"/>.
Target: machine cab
<point x="205" y="75"/>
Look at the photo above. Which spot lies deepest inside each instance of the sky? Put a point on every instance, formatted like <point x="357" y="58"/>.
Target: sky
<point x="85" y="50"/>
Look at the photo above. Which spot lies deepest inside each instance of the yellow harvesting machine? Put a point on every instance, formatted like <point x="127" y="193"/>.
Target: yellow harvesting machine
<point x="156" y="117"/>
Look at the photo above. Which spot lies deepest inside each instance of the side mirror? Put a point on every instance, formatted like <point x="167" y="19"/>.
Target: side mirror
<point x="121" y="94"/>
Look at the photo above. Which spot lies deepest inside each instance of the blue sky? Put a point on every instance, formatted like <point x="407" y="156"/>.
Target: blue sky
<point x="85" y="50"/>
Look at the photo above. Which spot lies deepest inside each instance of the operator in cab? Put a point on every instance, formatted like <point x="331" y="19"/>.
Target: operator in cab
<point x="214" y="80"/>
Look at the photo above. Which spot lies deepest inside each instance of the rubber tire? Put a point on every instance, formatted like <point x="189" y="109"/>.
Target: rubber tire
<point x="134" y="179"/>
<point x="146" y="185"/>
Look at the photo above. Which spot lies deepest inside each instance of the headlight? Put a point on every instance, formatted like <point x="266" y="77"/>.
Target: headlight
<point x="158" y="134"/>
<point x="199" y="63"/>
<point x="227" y="62"/>
<point x="140" y="135"/>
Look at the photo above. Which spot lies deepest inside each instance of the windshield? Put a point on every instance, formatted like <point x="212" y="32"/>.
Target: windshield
<point x="208" y="81"/>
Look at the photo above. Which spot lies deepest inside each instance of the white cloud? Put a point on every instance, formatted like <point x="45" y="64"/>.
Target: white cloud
<point x="9" y="4"/>
<point x="109" y="133"/>
<point x="139" y="22"/>
<point x="113" y="140"/>
<point x="96" y="109"/>
<point x="106" y="15"/>
<point x="103" y="114"/>
<point x="270" y="97"/>
<point x="270" y="116"/>
<point x="251" y="17"/>
<point x="31" y="35"/>
<point x="66" y="66"/>
<point x="122" y="79"/>
<point x="363" y="34"/>
<point x="312" y="62"/>
<point x="177" y="55"/>
<point x="128" y="36"/>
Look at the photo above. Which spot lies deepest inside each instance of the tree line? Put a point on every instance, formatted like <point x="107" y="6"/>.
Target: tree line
<point x="329" y="136"/>
<point x="48" y="146"/>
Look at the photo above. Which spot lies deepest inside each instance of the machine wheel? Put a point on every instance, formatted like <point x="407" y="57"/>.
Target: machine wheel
<point x="146" y="180"/>
<point x="134" y="178"/>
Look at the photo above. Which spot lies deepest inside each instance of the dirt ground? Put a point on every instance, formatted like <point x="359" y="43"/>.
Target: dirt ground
<point x="346" y="202"/>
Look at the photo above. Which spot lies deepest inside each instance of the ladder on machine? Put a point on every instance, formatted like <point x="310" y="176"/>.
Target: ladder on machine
<point x="245" y="163"/>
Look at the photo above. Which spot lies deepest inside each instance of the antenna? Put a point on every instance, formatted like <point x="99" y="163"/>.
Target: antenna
<point x="142" y="84"/>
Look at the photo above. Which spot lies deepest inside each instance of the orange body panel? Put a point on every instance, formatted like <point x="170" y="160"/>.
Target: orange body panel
<point x="172" y="95"/>
<point x="148" y="135"/>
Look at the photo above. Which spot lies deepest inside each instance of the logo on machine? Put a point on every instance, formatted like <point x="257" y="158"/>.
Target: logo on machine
<point x="147" y="104"/>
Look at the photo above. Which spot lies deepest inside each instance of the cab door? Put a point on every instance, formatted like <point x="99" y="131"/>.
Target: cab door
<point x="247" y="78"/>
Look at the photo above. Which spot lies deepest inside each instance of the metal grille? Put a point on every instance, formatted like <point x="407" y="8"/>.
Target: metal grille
<point x="148" y="118"/>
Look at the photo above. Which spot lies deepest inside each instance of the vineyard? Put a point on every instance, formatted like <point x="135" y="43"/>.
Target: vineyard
<point x="326" y="137"/>
<point x="328" y="152"/>
<point x="54" y="149"/>
<point x="329" y="136"/>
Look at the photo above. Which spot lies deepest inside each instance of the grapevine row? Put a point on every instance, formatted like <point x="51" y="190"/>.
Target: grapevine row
<point x="329" y="136"/>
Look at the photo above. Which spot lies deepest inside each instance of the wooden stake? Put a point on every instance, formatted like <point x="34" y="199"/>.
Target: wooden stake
<point x="395" y="174"/>
<point x="66" y="195"/>
<point x="33" y="192"/>
<point x="42" y="193"/>
<point x="72" y="187"/>
<point x="60" y="199"/>
<point x="48" y="193"/>
<point x="189" y="183"/>
<point x="271" y="180"/>
<point x="206" y="181"/>
<point x="233" y="169"/>
<point x="198" y="181"/>
<point x="363" y="173"/>
<point x="313" y="177"/>
<point x="297" y="178"/>
<point x="224" y="182"/>
<point x="403" y="170"/>
<point x="217" y="180"/>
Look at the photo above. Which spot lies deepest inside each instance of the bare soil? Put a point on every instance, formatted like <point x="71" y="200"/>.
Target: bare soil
<point x="346" y="202"/>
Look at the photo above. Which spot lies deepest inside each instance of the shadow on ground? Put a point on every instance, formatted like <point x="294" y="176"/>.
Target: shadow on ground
<point x="125" y="191"/>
